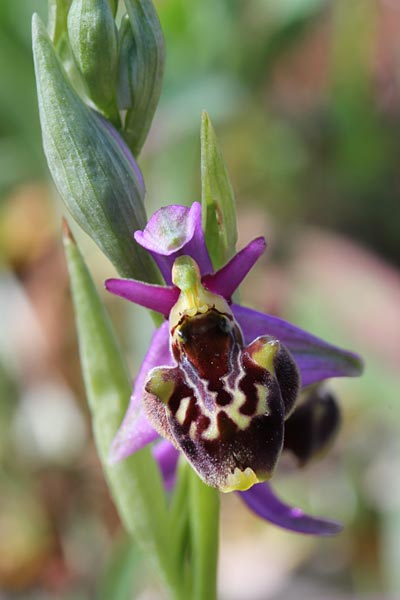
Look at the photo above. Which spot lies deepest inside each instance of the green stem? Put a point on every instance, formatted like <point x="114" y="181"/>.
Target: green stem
<point x="204" y="529"/>
<point x="179" y="528"/>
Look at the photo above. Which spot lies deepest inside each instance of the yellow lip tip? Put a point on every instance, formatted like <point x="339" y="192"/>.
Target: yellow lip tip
<point x="240" y="481"/>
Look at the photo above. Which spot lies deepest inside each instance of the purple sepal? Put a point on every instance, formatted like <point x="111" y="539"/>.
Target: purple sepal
<point x="262" y="500"/>
<point x="154" y="297"/>
<point x="136" y="431"/>
<point x="167" y="457"/>
<point x="316" y="359"/>
<point x="225" y="281"/>
<point x="174" y="231"/>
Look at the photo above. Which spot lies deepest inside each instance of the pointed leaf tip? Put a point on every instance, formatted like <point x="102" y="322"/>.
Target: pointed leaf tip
<point x="217" y="197"/>
<point x="66" y="232"/>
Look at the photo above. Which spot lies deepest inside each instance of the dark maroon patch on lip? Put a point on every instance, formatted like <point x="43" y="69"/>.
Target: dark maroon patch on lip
<point x="192" y="414"/>
<point x="226" y="427"/>
<point x="202" y="424"/>
<point x="257" y="447"/>
<point x="254" y="374"/>
<point x="181" y="390"/>
<point x="223" y="397"/>
<point x="208" y="342"/>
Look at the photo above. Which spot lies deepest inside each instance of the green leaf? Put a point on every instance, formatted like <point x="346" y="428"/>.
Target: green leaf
<point x="141" y="69"/>
<point x="217" y="197"/>
<point x="93" y="169"/>
<point x="135" y="482"/>
<point x="117" y="582"/>
<point x="179" y="523"/>
<point x="93" y="38"/>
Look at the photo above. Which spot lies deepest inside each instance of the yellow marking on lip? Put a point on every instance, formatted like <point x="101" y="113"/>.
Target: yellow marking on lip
<point x="240" y="481"/>
<point x="182" y="410"/>
<point x="212" y="431"/>
<point x="266" y="354"/>
<point x="262" y="406"/>
<point x="233" y="409"/>
<point x="192" y="430"/>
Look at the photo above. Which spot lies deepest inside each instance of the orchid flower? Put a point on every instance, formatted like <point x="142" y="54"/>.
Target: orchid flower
<point x="221" y="382"/>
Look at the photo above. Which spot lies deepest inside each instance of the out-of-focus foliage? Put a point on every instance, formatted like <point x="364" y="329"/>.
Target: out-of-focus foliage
<point x="305" y="98"/>
<point x="21" y="157"/>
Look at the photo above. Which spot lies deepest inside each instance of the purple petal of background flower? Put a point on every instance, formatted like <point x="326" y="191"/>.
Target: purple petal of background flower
<point x="136" y="431"/>
<point x="167" y="457"/>
<point x="225" y="281"/>
<point x="154" y="297"/>
<point x="316" y="359"/>
<point x="262" y="500"/>
<point x="174" y="231"/>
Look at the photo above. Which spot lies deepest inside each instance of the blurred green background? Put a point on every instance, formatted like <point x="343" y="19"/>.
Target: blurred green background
<point x="305" y="98"/>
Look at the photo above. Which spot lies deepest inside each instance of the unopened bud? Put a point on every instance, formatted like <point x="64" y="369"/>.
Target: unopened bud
<point x="140" y="70"/>
<point x="93" y="38"/>
<point x="57" y="19"/>
<point x="92" y="167"/>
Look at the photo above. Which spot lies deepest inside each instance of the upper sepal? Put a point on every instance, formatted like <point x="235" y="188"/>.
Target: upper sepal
<point x="174" y="231"/>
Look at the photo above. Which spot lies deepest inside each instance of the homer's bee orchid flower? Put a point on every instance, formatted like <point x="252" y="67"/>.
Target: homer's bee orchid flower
<point x="228" y="387"/>
<point x="220" y="382"/>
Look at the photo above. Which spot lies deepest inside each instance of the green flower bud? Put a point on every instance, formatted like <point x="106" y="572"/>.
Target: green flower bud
<point x="114" y="7"/>
<point x="127" y="74"/>
<point x="93" y="38"/>
<point x="93" y="169"/>
<point x="140" y="71"/>
<point x="57" y="19"/>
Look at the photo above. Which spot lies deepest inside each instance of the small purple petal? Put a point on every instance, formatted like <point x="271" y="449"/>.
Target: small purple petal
<point x="225" y="281"/>
<point x="316" y="359"/>
<point x="174" y="231"/>
<point x="167" y="457"/>
<point x="136" y="431"/>
<point x="154" y="297"/>
<point x="262" y="500"/>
